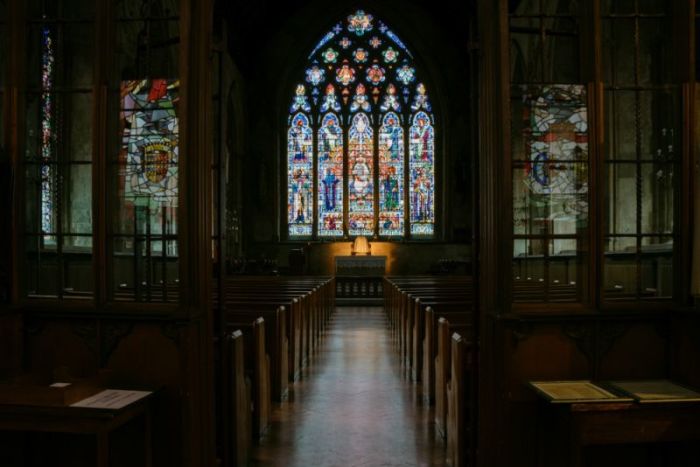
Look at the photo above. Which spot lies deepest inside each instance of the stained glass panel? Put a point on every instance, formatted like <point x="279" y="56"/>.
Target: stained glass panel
<point x="361" y="173"/>
<point x="150" y="142"/>
<point x="48" y="138"/>
<point x="391" y="175"/>
<point x="300" y="176"/>
<point x="555" y="136"/>
<point x="330" y="173"/>
<point x="422" y="176"/>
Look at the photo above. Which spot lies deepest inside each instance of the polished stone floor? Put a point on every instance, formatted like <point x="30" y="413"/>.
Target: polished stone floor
<point x="353" y="405"/>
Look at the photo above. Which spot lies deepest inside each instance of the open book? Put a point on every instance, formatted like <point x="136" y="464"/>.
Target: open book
<point x="575" y="391"/>
<point x="660" y="390"/>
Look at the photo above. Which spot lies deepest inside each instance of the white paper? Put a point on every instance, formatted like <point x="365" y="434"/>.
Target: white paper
<point x="59" y="385"/>
<point x="111" y="399"/>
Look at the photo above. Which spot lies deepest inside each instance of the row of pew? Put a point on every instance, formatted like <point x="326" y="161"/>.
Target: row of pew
<point x="433" y="323"/>
<point x="267" y="330"/>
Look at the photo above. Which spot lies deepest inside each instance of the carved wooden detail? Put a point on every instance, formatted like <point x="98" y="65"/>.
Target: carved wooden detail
<point x="87" y="330"/>
<point x="172" y="331"/>
<point x="111" y="334"/>
<point x="520" y="331"/>
<point x="584" y="336"/>
<point x="608" y="334"/>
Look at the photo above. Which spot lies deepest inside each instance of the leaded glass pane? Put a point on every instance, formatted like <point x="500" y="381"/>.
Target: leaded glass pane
<point x="300" y="174"/>
<point x="422" y="176"/>
<point x="391" y="175"/>
<point x="361" y="173"/>
<point x="330" y="170"/>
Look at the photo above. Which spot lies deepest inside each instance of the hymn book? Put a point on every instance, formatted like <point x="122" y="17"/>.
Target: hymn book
<point x="657" y="391"/>
<point x="563" y="392"/>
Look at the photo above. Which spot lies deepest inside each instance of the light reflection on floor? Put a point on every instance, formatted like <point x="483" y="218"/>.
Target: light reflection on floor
<point x="353" y="405"/>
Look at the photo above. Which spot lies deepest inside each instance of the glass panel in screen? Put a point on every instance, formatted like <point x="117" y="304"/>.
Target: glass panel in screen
<point x="550" y="191"/>
<point x="58" y="150"/>
<point x="145" y="247"/>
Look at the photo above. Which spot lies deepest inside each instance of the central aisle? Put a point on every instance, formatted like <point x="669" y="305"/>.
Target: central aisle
<point x="353" y="406"/>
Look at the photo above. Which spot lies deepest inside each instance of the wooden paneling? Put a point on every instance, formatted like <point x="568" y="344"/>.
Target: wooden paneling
<point x="639" y="352"/>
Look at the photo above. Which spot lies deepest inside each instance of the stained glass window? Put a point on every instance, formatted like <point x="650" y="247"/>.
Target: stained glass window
<point x="361" y="103"/>
<point x="47" y="136"/>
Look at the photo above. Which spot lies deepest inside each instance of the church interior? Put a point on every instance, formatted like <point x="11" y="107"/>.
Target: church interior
<point x="357" y="233"/>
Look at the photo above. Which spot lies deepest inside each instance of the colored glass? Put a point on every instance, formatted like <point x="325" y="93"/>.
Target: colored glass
<point x="361" y="176"/>
<point x="422" y="177"/>
<point x="391" y="173"/>
<point x="47" y="136"/>
<point x="150" y="135"/>
<point x="299" y="176"/>
<point x="330" y="177"/>
<point x="357" y="68"/>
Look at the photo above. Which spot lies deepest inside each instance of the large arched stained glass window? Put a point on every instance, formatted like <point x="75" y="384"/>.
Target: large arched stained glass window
<point x="360" y="139"/>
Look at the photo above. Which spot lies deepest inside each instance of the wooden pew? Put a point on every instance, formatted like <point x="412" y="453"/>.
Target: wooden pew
<point x="400" y="294"/>
<point x="236" y="407"/>
<point x="257" y="366"/>
<point x="315" y="301"/>
<point x="446" y="301"/>
<point x="443" y="367"/>
<point x="430" y="342"/>
<point x="461" y="406"/>
<point x="276" y="341"/>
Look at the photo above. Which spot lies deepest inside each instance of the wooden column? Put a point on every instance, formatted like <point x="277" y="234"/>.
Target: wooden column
<point x="493" y="241"/>
<point x="195" y="228"/>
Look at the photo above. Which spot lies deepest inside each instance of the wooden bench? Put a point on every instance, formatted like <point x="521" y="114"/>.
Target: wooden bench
<point x="461" y="406"/>
<point x="430" y="342"/>
<point x="257" y="367"/>
<point x="276" y="342"/>
<point x="443" y="367"/>
<point x="237" y="406"/>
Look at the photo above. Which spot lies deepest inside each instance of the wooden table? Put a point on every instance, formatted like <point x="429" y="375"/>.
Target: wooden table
<point x="78" y="420"/>
<point x="565" y="429"/>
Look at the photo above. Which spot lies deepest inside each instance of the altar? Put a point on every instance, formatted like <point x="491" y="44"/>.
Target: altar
<point x="359" y="279"/>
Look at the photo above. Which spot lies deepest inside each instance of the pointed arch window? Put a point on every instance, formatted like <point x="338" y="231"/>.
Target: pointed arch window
<point x="360" y="139"/>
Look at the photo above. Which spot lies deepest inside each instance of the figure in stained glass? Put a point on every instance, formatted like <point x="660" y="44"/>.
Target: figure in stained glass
<point x="375" y="74"/>
<point x="345" y="75"/>
<point x="422" y="138"/>
<point x="301" y="101"/>
<point x="422" y="177"/>
<point x="330" y="101"/>
<point x="360" y="23"/>
<point x="421" y="100"/>
<point x="361" y="100"/>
